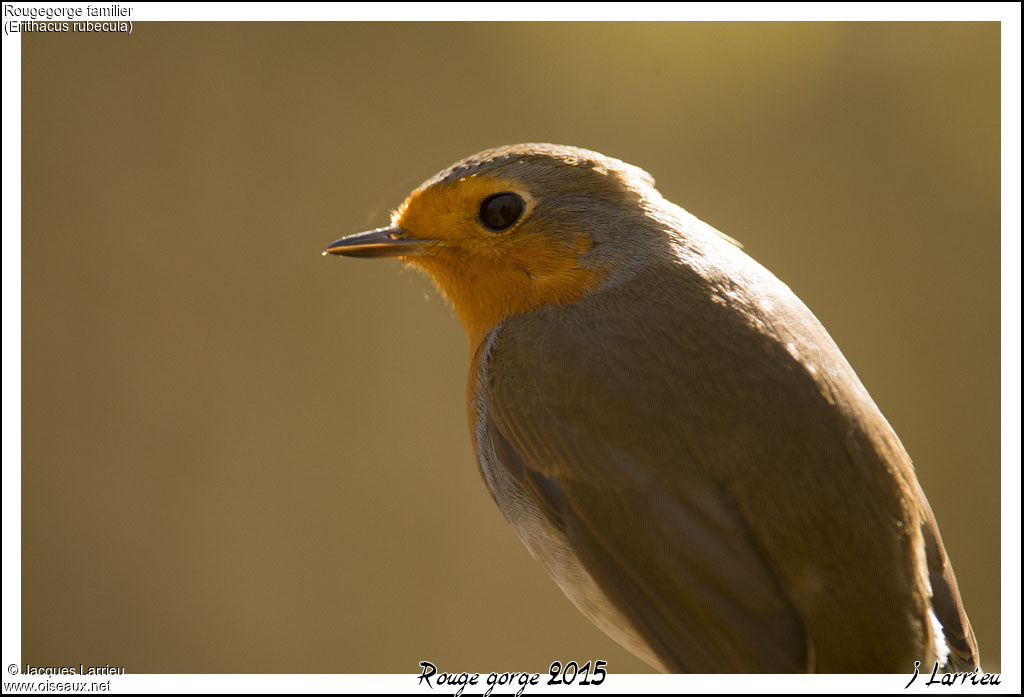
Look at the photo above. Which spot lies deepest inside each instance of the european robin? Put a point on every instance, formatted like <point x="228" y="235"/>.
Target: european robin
<point x="671" y="432"/>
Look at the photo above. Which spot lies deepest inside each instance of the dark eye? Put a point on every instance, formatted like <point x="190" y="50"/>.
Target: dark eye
<point x="499" y="211"/>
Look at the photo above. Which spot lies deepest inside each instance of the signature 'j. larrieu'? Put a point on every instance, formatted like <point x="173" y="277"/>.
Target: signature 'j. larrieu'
<point x="674" y="436"/>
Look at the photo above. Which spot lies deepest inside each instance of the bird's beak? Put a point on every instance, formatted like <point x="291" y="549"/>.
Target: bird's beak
<point x="382" y="242"/>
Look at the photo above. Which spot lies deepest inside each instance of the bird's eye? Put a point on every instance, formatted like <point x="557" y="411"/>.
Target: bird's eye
<point x="500" y="211"/>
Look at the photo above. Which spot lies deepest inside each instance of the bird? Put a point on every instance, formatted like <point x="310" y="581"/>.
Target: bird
<point x="671" y="432"/>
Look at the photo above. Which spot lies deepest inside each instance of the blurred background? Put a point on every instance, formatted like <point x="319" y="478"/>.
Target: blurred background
<point x="240" y="456"/>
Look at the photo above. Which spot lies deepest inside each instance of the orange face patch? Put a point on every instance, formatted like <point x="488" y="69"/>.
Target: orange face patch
<point x="488" y="276"/>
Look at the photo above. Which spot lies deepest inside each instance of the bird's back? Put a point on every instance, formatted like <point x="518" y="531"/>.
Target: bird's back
<point x="668" y="462"/>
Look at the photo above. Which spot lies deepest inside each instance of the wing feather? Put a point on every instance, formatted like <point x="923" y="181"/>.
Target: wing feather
<point x="678" y="562"/>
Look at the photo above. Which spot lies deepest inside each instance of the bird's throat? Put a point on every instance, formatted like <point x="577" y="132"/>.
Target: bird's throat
<point x="484" y="291"/>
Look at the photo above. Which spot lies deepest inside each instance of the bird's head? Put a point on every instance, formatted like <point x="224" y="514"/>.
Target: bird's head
<point x="517" y="227"/>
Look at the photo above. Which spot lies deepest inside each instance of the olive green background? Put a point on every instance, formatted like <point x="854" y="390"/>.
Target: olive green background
<point x="240" y="456"/>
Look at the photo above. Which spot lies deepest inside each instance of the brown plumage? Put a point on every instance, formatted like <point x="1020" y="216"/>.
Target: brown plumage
<point x="672" y="433"/>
